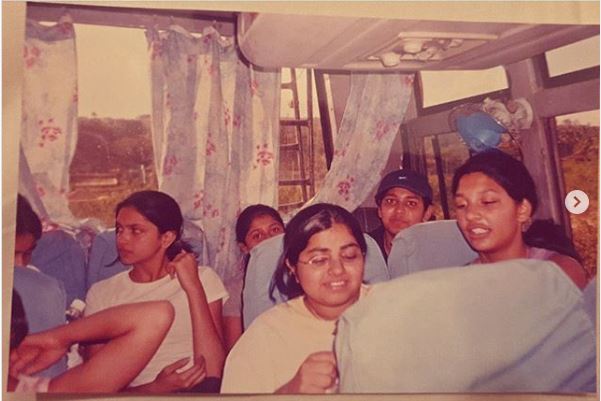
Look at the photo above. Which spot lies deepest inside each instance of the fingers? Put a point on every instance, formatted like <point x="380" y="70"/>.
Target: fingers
<point x="22" y="360"/>
<point x="192" y="376"/>
<point x="319" y="372"/>
<point x="323" y="356"/>
<point x="176" y="365"/>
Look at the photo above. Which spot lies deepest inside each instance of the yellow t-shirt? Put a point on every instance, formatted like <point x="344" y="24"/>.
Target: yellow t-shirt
<point x="270" y="352"/>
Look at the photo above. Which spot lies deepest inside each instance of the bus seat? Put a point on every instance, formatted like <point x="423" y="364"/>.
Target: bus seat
<point x="104" y="261"/>
<point x="264" y="259"/>
<point x="428" y="245"/>
<point x="59" y="255"/>
<point x="515" y="326"/>
<point x="589" y="294"/>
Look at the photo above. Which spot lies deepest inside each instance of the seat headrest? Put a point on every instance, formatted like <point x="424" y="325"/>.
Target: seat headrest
<point x="429" y="245"/>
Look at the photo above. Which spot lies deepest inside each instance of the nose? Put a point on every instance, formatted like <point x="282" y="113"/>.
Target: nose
<point x="336" y="267"/>
<point x="399" y="208"/>
<point x="472" y="213"/>
<point x="122" y="237"/>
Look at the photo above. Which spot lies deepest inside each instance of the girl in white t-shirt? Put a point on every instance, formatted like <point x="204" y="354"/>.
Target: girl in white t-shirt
<point x="288" y="349"/>
<point x="148" y="229"/>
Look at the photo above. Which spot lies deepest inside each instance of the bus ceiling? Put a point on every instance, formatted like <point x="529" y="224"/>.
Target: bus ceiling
<point x="370" y="44"/>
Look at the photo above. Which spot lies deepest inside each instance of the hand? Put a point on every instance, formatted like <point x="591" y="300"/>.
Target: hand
<point x="184" y="266"/>
<point x="36" y="352"/>
<point x="170" y="380"/>
<point x="316" y="375"/>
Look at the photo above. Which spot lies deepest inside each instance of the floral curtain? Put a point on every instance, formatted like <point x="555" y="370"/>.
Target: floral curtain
<point x="49" y="121"/>
<point x="215" y="127"/>
<point x="374" y="112"/>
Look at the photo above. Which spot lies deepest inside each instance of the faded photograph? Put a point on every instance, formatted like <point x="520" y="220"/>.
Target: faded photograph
<point x="234" y="202"/>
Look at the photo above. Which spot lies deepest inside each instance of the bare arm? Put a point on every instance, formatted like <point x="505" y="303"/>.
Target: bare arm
<point x="216" y="308"/>
<point x="132" y="342"/>
<point x="573" y="269"/>
<point x="232" y="328"/>
<point x="206" y="339"/>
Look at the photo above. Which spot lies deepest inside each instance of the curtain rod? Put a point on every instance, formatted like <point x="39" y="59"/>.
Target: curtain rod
<point x="193" y="21"/>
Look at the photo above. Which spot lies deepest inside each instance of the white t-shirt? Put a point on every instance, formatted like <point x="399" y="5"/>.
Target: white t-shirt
<point x="120" y="289"/>
<point x="275" y="345"/>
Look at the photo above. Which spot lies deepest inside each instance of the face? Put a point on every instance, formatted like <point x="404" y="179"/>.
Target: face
<point x="262" y="227"/>
<point x="488" y="217"/>
<point x="138" y="239"/>
<point x="330" y="271"/>
<point x="24" y="246"/>
<point x="400" y="209"/>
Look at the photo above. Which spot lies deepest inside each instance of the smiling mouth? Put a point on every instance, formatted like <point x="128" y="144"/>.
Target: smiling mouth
<point x="478" y="231"/>
<point x="336" y="285"/>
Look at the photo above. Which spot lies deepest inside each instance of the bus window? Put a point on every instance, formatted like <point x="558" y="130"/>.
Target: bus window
<point x="573" y="57"/>
<point x="302" y="167"/>
<point x="114" y="154"/>
<point x="445" y="86"/>
<point x="443" y="154"/>
<point x="578" y="145"/>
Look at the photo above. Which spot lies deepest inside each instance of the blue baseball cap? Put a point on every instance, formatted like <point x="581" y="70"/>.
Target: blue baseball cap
<point x="407" y="179"/>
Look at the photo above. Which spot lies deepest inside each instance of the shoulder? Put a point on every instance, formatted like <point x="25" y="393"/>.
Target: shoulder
<point x="120" y="278"/>
<point x="572" y="268"/>
<point x="99" y="292"/>
<point x="376" y="233"/>
<point x="212" y="284"/>
<point x="30" y="278"/>
<point x="282" y="315"/>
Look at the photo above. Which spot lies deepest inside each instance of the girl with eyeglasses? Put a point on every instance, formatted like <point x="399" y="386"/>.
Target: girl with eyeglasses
<point x="288" y="349"/>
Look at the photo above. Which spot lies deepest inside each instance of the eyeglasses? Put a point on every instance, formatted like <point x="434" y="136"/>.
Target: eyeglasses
<point x="346" y="259"/>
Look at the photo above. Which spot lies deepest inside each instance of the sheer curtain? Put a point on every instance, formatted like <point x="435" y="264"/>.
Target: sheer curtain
<point x="374" y="112"/>
<point x="215" y="127"/>
<point x="49" y="121"/>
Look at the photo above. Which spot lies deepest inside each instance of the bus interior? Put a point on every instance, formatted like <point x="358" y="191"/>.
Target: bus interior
<point x="540" y="71"/>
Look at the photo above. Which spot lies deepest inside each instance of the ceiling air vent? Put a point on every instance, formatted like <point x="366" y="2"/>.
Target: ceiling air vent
<point x="427" y="47"/>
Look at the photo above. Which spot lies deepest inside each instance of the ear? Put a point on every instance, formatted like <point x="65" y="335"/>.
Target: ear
<point x="428" y="213"/>
<point x="524" y="212"/>
<point x="167" y="238"/>
<point x="291" y="270"/>
<point x="380" y="211"/>
<point x="243" y="248"/>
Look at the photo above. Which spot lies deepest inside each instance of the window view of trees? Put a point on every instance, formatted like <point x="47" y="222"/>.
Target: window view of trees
<point x="579" y="154"/>
<point x="113" y="158"/>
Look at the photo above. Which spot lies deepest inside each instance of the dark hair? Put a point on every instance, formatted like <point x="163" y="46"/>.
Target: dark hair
<point x="506" y="171"/>
<point x="546" y="234"/>
<point x="300" y="229"/>
<point x="28" y="221"/>
<point x="247" y="216"/>
<point x="513" y="176"/>
<point x="18" y="321"/>
<point x="162" y="211"/>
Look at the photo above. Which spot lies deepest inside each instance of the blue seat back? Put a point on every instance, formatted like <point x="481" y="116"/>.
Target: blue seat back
<point x="59" y="255"/>
<point x="429" y="245"/>
<point x="514" y="326"/>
